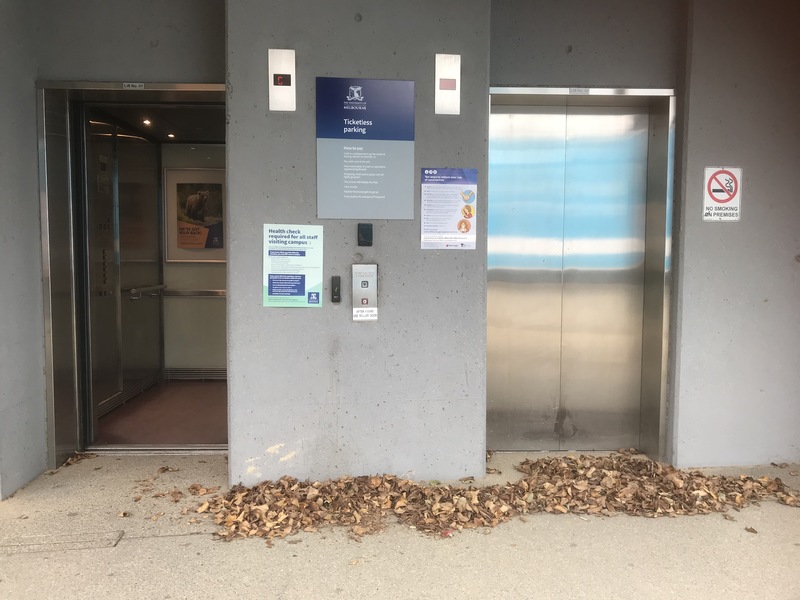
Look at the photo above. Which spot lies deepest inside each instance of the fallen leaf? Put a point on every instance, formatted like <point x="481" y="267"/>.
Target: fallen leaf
<point x="728" y="517"/>
<point x="166" y="469"/>
<point x="750" y="530"/>
<point x="469" y="479"/>
<point x="619" y="483"/>
<point x="124" y="513"/>
<point x="176" y="495"/>
<point x="137" y="498"/>
<point x="493" y="471"/>
<point x="78" y="457"/>
<point x="675" y="480"/>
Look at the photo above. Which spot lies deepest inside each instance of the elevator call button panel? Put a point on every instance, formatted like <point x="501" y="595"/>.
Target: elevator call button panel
<point x="365" y="292"/>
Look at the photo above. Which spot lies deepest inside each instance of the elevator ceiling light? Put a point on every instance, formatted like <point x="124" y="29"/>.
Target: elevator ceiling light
<point x="170" y="135"/>
<point x="147" y="122"/>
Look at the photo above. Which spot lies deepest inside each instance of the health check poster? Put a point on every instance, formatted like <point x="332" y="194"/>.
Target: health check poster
<point x="293" y="265"/>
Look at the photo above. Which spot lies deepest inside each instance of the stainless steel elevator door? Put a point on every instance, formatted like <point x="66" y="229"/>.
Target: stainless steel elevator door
<point x="123" y="250"/>
<point x="567" y="197"/>
<point x="140" y="237"/>
<point x="102" y="257"/>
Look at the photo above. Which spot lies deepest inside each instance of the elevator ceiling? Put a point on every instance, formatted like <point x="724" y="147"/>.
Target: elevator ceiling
<point x="173" y="123"/>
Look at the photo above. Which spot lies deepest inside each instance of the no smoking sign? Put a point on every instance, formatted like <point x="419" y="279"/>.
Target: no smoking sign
<point x="722" y="194"/>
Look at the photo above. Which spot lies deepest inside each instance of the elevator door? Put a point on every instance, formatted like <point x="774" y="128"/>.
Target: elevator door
<point x="566" y="225"/>
<point x="123" y="266"/>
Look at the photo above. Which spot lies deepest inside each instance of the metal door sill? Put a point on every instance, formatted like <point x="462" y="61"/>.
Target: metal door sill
<point x="155" y="449"/>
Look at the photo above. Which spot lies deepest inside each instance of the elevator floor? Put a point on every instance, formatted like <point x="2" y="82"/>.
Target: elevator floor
<point x="170" y="413"/>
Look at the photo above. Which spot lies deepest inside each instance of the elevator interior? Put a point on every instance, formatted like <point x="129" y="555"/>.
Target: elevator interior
<point x="578" y="268"/>
<point x="108" y="306"/>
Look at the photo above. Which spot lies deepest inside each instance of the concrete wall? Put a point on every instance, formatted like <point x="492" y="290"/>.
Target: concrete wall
<point x="311" y="393"/>
<point x="23" y="448"/>
<point x="737" y="386"/>
<point x="146" y="40"/>
<point x="585" y="43"/>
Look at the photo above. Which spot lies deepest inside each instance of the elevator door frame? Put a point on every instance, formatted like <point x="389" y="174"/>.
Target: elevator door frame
<point x="58" y="178"/>
<point x="658" y="232"/>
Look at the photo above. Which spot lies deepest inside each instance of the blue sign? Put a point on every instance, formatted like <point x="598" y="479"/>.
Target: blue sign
<point x="450" y="176"/>
<point x="286" y="285"/>
<point x="365" y="109"/>
<point x="365" y="148"/>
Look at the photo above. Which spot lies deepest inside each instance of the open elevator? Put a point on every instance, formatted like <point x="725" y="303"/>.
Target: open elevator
<point x="132" y="338"/>
<point x="578" y="268"/>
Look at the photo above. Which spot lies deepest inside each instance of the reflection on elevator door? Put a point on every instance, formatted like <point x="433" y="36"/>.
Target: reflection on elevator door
<point x="124" y="264"/>
<point x="567" y="196"/>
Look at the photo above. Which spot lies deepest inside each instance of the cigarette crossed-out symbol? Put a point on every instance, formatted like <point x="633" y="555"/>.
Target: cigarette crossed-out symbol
<point x="722" y="186"/>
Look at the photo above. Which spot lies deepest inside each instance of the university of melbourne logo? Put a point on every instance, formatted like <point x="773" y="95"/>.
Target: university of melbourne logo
<point x="355" y="98"/>
<point x="356" y="94"/>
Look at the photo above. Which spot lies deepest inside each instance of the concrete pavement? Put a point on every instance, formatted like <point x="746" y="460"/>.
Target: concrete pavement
<point x="95" y="530"/>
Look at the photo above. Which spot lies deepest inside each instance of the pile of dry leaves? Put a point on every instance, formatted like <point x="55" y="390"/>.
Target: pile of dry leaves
<point x="599" y="485"/>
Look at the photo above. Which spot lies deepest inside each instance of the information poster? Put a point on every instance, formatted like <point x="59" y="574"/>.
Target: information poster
<point x="199" y="210"/>
<point x="293" y="265"/>
<point x="449" y="209"/>
<point x="365" y="148"/>
<point x="194" y="205"/>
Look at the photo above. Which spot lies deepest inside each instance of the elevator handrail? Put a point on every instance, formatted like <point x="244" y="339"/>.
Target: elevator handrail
<point x="150" y="290"/>
<point x="197" y="293"/>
